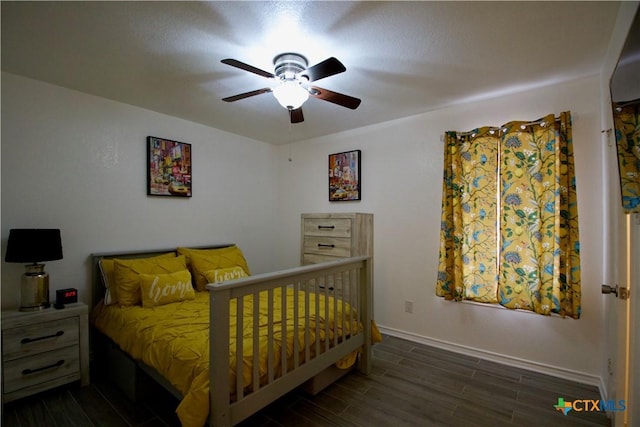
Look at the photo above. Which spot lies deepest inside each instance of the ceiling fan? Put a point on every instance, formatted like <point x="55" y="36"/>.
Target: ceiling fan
<point x="291" y="83"/>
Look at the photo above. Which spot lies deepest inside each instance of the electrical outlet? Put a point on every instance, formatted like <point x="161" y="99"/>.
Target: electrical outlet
<point x="610" y="366"/>
<point x="408" y="306"/>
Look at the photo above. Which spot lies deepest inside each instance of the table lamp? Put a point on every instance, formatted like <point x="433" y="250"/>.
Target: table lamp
<point x="34" y="245"/>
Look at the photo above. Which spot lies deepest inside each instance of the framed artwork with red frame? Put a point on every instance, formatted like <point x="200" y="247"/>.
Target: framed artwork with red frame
<point x="168" y="168"/>
<point x="344" y="176"/>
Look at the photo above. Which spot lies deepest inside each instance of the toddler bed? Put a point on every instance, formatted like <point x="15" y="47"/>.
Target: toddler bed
<point x="294" y="325"/>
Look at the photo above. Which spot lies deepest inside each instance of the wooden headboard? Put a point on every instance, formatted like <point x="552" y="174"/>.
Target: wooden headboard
<point x="97" y="287"/>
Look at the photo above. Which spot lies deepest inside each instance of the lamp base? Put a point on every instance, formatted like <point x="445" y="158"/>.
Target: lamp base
<point x="34" y="288"/>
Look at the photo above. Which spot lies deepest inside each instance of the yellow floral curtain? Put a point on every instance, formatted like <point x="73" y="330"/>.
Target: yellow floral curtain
<point x="627" y="123"/>
<point x="522" y="173"/>
<point x="468" y="259"/>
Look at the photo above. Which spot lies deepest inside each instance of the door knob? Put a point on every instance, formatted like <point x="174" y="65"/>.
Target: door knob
<point x="606" y="289"/>
<point x="620" y="292"/>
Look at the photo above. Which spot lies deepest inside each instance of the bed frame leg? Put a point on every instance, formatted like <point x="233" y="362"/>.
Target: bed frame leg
<point x="366" y="292"/>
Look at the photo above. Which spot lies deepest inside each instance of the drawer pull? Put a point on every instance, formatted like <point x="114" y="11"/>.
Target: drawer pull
<point x="30" y="340"/>
<point x="326" y="227"/>
<point x="324" y="245"/>
<point x="33" y="371"/>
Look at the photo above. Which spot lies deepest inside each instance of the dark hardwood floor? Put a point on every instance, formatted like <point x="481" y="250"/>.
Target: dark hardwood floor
<point x="411" y="385"/>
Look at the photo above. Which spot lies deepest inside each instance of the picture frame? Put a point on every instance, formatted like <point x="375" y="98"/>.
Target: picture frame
<point x="168" y="168"/>
<point x="344" y="176"/>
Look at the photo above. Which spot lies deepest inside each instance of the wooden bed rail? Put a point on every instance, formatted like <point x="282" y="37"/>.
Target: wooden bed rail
<point x="344" y="286"/>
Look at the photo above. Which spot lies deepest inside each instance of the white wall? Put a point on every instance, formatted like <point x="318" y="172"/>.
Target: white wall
<point x="401" y="180"/>
<point x="78" y="162"/>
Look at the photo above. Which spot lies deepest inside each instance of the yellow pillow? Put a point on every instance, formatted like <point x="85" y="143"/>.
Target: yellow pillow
<point x="161" y="289"/>
<point x="224" y="274"/>
<point x="127" y="273"/>
<point x="203" y="260"/>
<point x="107" y="271"/>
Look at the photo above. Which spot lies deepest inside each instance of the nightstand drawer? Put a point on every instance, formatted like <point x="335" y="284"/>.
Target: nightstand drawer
<point x="41" y="368"/>
<point x="334" y="246"/>
<point x="38" y="337"/>
<point x="331" y="227"/>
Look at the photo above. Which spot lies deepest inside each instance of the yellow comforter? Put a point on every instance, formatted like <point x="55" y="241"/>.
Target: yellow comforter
<point x="174" y="340"/>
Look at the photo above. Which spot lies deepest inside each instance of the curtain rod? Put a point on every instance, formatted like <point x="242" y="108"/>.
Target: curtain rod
<point x="493" y="130"/>
<point x="618" y="105"/>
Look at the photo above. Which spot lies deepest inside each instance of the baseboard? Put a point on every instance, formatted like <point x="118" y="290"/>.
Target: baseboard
<point x="529" y="365"/>
<point x="604" y="395"/>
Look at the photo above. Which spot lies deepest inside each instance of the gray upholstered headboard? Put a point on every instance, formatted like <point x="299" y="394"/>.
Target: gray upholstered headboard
<point x="97" y="287"/>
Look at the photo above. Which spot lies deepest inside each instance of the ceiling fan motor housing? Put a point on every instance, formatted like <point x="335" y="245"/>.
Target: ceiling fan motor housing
<point x="288" y="65"/>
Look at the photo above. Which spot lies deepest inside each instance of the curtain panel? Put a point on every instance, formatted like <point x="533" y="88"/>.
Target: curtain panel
<point x="468" y="237"/>
<point x="627" y="123"/>
<point x="509" y="226"/>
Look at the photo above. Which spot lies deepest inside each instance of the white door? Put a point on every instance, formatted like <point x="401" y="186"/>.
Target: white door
<point x="622" y="310"/>
<point x="625" y="364"/>
<point x="622" y="264"/>
<point x="633" y="416"/>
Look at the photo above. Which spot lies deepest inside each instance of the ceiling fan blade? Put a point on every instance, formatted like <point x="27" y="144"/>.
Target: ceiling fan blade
<point x="326" y="68"/>
<point x="246" y="94"/>
<point x="296" y="115"/>
<point x="247" y="67"/>
<point x="335" y="97"/>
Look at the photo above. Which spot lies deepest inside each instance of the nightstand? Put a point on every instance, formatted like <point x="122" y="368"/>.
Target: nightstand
<point x="44" y="349"/>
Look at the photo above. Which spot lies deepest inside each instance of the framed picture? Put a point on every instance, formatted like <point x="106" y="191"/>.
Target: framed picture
<point x="344" y="176"/>
<point x="168" y="168"/>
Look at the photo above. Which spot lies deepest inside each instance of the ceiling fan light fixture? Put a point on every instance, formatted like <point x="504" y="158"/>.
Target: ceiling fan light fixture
<point x="290" y="94"/>
<point x="292" y="78"/>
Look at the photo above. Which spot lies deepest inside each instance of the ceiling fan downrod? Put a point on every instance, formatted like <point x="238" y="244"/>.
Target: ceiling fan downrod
<point x="288" y="65"/>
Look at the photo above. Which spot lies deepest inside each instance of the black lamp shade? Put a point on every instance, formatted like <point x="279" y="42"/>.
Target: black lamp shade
<point x="33" y="245"/>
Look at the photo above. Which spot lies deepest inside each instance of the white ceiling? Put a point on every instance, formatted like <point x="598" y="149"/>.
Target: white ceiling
<point x="402" y="58"/>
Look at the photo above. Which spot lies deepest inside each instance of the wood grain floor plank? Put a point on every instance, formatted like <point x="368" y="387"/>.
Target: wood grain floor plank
<point x="33" y="412"/>
<point x="436" y="353"/>
<point x="411" y="385"/>
<point x="430" y="393"/>
<point x="153" y="422"/>
<point x="329" y="403"/>
<point x="99" y="410"/>
<point x="135" y="414"/>
<point x="430" y="412"/>
<point x="384" y="355"/>
<point x="10" y="417"/>
<point x="367" y="415"/>
<point x="64" y="409"/>
<point x="397" y="343"/>
<point x="478" y="388"/>
<point x="559" y="385"/>
<point x="444" y="367"/>
<point x="320" y="415"/>
<point x="499" y="370"/>
<point x="471" y="415"/>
